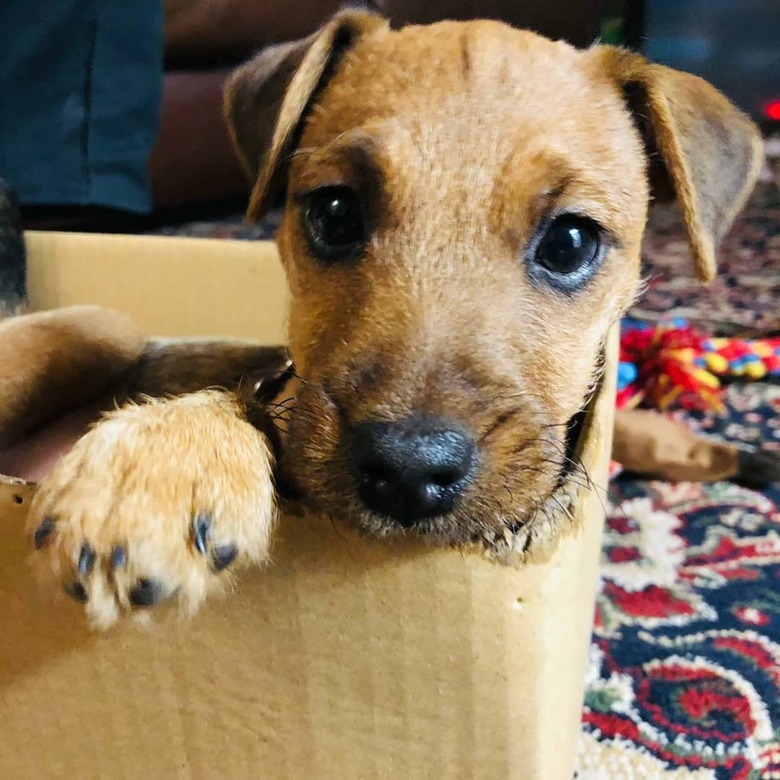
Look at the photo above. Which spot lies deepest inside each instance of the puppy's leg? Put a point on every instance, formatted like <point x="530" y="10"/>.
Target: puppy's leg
<point x="160" y="369"/>
<point x="157" y="501"/>
<point x="54" y="361"/>
<point x="176" y="367"/>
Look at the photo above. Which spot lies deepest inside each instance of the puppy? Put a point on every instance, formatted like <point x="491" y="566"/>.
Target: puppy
<point x="464" y="206"/>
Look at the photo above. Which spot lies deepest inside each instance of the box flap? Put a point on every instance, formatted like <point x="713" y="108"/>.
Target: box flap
<point x="170" y="286"/>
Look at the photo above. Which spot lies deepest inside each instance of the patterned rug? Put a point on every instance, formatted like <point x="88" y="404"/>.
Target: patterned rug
<point x="684" y="672"/>
<point x="744" y="297"/>
<point x="685" y="662"/>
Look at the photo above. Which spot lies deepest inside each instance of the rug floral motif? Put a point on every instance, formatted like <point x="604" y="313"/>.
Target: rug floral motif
<point x="684" y="669"/>
<point x="745" y="295"/>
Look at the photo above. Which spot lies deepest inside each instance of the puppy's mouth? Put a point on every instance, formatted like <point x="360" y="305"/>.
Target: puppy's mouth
<point x="423" y="474"/>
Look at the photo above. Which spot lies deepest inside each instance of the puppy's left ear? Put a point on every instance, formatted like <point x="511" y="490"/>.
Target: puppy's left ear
<point x="701" y="149"/>
<point x="269" y="98"/>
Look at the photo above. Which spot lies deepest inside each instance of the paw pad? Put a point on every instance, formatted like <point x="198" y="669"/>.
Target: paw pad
<point x="86" y="560"/>
<point x="222" y="557"/>
<point x="77" y="592"/>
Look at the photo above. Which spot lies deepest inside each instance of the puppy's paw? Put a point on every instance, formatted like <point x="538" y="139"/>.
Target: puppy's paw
<point x="158" y="501"/>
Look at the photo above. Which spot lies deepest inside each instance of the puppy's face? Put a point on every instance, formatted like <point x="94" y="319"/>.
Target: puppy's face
<point x="464" y="210"/>
<point x="464" y="215"/>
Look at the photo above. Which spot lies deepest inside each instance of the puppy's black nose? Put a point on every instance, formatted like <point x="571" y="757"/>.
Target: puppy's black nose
<point x="412" y="469"/>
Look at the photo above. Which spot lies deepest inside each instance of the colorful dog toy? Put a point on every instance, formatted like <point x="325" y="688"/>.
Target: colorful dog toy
<point x="672" y="362"/>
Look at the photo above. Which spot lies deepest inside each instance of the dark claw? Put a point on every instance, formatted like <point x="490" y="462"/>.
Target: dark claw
<point x="43" y="532"/>
<point x="146" y="593"/>
<point x="86" y="560"/>
<point x="200" y="532"/>
<point x="77" y="591"/>
<point x="118" y="557"/>
<point x="222" y="557"/>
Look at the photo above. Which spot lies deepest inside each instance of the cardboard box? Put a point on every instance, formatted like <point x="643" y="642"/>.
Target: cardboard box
<point x="345" y="658"/>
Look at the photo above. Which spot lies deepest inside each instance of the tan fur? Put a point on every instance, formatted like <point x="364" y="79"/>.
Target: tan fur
<point x="138" y="480"/>
<point x="461" y="138"/>
<point x="712" y="152"/>
<point x="53" y="362"/>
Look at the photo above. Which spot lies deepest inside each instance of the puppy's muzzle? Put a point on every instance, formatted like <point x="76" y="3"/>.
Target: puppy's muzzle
<point x="412" y="469"/>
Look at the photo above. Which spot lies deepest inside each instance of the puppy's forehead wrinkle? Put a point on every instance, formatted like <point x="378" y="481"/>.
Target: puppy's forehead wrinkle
<point x="465" y="59"/>
<point x="354" y="141"/>
<point x="483" y="77"/>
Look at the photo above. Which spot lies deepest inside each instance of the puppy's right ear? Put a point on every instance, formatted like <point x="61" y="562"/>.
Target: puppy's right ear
<point x="268" y="99"/>
<point x="702" y="150"/>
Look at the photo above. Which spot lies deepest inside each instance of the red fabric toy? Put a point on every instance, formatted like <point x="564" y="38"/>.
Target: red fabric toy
<point x="673" y="363"/>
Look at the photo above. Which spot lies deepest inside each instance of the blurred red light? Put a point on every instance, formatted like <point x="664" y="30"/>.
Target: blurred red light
<point x="772" y="110"/>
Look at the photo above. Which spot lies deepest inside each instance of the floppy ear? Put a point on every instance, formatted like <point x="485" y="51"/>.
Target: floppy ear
<point x="702" y="150"/>
<point x="268" y="99"/>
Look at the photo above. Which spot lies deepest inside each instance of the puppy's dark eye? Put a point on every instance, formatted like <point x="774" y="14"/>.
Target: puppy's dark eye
<point x="333" y="222"/>
<point x="568" y="251"/>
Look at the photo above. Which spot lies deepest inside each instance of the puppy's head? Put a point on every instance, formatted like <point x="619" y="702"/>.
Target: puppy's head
<point x="464" y="205"/>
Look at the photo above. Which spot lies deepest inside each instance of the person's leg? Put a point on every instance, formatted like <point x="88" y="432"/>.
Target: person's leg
<point x="80" y="86"/>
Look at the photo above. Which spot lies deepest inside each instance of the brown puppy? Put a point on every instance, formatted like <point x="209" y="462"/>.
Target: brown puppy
<point x="464" y="210"/>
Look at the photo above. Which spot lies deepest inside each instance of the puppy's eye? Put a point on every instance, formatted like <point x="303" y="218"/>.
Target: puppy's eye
<point x="568" y="251"/>
<point x="333" y="222"/>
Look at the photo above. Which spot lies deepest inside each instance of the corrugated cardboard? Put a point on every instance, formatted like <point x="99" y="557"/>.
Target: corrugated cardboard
<point x="171" y="286"/>
<point x="343" y="659"/>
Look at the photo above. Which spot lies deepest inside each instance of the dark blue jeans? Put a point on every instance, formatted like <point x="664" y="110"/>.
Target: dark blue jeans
<point x="80" y="91"/>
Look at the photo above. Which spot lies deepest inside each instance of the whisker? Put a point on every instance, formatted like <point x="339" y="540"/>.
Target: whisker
<point x="283" y="402"/>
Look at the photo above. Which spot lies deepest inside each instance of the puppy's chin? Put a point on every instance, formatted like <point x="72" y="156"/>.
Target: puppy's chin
<point x="520" y="471"/>
<point x="454" y="529"/>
